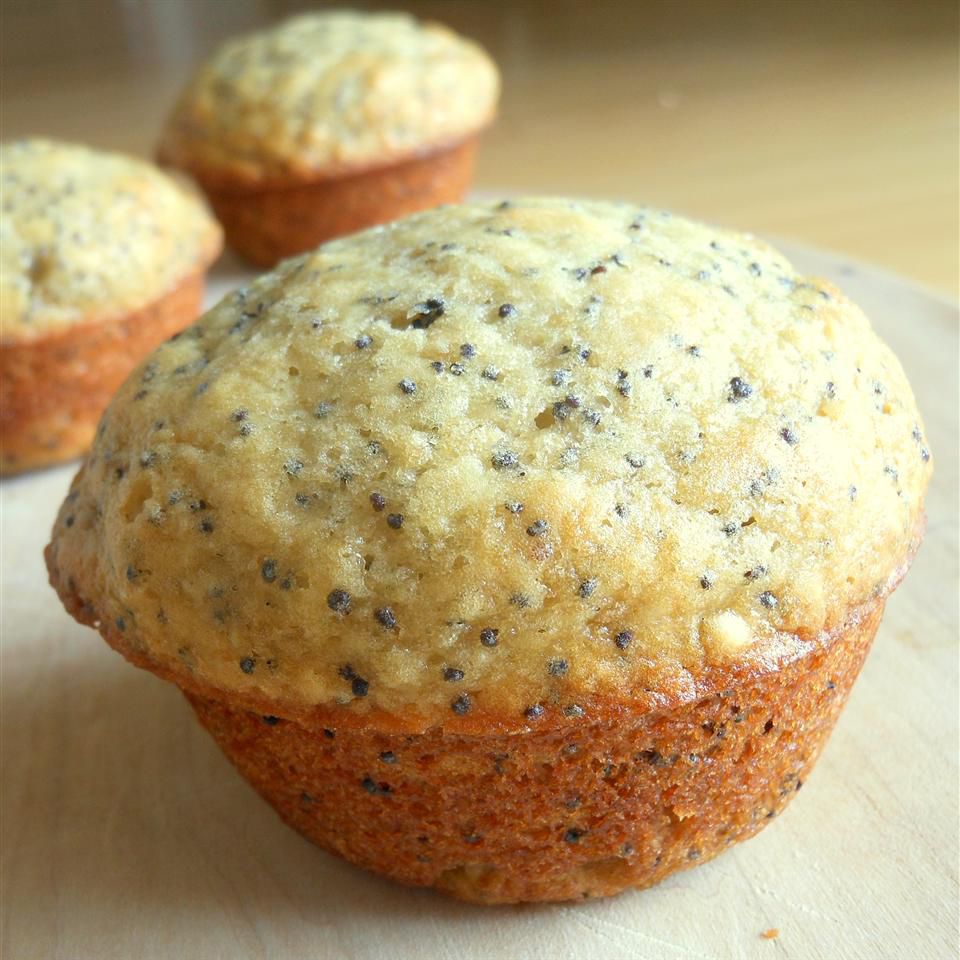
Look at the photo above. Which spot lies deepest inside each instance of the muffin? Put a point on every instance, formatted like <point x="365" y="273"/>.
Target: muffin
<point x="102" y="257"/>
<point x="533" y="547"/>
<point x="329" y="123"/>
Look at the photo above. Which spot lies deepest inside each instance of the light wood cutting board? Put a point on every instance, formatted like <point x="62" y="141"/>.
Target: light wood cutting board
<point x="125" y="833"/>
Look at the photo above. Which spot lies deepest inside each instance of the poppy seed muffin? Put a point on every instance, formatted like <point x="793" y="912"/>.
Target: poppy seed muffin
<point x="102" y="257"/>
<point x="534" y="546"/>
<point x="331" y="122"/>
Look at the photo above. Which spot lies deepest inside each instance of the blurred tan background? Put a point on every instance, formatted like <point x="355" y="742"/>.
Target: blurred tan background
<point x="833" y="122"/>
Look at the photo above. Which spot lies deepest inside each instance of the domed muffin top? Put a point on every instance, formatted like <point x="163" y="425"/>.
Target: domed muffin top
<point x="504" y="458"/>
<point x="87" y="235"/>
<point x="326" y="93"/>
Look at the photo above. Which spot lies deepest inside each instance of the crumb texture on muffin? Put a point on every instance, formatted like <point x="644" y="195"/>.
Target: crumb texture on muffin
<point x="89" y="236"/>
<point x="330" y="92"/>
<point x="499" y="457"/>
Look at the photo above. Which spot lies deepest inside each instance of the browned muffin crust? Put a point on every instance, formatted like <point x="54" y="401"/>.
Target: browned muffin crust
<point x="269" y="222"/>
<point x="53" y="389"/>
<point x="582" y="810"/>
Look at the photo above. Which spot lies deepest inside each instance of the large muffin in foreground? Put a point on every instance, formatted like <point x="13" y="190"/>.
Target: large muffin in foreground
<point x="331" y="122"/>
<point x="102" y="257"/>
<point x="527" y="551"/>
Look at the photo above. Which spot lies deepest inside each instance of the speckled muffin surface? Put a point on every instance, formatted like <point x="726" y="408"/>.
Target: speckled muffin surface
<point x="329" y="93"/>
<point x="91" y="236"/>
<point x="494" y="462"/>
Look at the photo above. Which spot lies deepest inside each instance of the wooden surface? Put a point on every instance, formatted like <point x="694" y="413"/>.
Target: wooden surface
<point x="833" y="122"/>
<point x="125" y="833"/>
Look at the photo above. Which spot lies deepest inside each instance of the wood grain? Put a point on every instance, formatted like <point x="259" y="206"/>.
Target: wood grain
<point x="126" y="834"/>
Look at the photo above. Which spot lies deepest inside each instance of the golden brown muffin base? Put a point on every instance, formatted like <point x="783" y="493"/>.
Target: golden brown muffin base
<point x="268" y="223"/>
<point x="582" y="810"/>
<point x="54" y="388"/>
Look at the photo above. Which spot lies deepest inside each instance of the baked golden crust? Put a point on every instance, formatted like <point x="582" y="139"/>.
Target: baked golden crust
<point x="329" y="94"/>
<point x="274" y="222"/>
<point x="584" y="809"/>
<point x="365" y="458"/>
<point x="53" y="390"/>
<point x="89" y="237"/>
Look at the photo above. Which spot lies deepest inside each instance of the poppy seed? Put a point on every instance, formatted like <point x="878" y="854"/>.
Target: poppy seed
<point x="452" y="674"/>
<point x="505" y="460"/>
<point x="506" y="310"/>
<point x="395" y="520"/>
<point x="488" y="636"/>
<point x="587" y="588"/>
<point x="386" y="618"/>
<point x="426" y="313"/>
<point x="247" y="665"/>
<point x="623" y="639"/>
<point x="374" y="788"/>
<point x="739" y="390"/>
<point x="558" y="667"/>
<point x="461" y="705"/>
<point x="789" y="436"/>
<point x="467" y="351"/>
<point x="407" y="386"/>
<point x="269" y="570"/>
<point x="537" y="528"/>
<point x="362" y="342"/>
<point x="378" y="501"/>
<point x="534" y="713"/>
<point x="767" y="599"/>
<point x="339" y="601"/>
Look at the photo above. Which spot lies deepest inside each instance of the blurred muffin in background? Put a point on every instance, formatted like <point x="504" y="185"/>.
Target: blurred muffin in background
<point x="102" y="257"/>
<point x="329" y="123"/>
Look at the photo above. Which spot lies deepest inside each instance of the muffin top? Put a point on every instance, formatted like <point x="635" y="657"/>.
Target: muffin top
<point x="500" y="458"/>
<point x="329" y="92"/>
<point x="87" y="235"/>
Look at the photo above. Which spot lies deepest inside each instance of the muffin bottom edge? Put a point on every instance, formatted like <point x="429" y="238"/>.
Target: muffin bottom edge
<point x="585" y="810"/>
